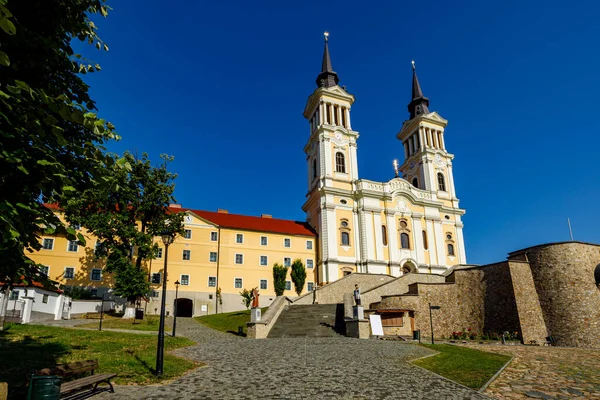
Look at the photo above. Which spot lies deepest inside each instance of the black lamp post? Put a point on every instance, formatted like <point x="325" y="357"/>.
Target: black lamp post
<point x="175" y="308"/>
<point x="167" y="238"/>
<point x="431" y="319"/>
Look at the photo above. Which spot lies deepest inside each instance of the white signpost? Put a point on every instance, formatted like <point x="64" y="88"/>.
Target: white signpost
<point x="376" y="327"/>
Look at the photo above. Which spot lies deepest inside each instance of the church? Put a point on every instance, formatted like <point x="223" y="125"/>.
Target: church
<point x="411" y="223"/>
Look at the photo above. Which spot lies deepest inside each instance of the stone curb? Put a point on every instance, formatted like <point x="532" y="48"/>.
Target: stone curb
<point x="493" y="378"/>
<point x="443" y="377"/>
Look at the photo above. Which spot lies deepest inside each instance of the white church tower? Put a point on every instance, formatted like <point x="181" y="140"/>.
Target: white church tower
<point x="408" y="224"/>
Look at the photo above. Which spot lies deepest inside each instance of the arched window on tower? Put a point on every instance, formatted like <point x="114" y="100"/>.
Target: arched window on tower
<point x="314" y="168"/>
<point x="450" y="249"/>
<point x="345" y="239"/>
<point x="449" y="244"/>
<point x="340" y="162"/>
<point x="404" y="241"/>
<point x="415" y="182"/>
<point x="384" y="235"/>
<point x="425" y="243"/>
<point x="344" y="233"/>
<point x="441" y="182"/>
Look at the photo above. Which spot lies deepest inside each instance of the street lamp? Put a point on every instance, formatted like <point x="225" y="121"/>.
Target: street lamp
<point x="167" y="238"/>
<point x="431" y="319"/>
<point x="175" y="314"/>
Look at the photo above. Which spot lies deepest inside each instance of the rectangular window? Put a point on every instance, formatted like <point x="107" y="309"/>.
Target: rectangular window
<point x="45" y="270"/>
<point x="213" y="236"/>
<point x="213" y="256"/>
<point x="155" y="294"/>
<point x="239" y="238"/>
<point x="212" y="281"/>
<point x="263" y="240"/>
<point x="238" y="283"/>
<point x="287" y="242"/>
<point x="14" y="295"/>
<point x="69" y="273"/>
<point x="310" y="286"/>
<point x="96" y="274"/>
<point x="239" y="258"/>
<point x="263" y="284"/>
<point x="159" y="252"/>
<point x="185" y="280"/>
<point x="287" y="262"/>
<point x="48" y="244"/>
<point x="309" y="245"/>
<point x="156" y="277"/>
<point x="264" y="260"/>
<point x="309" y="263"/>
<point x="187" y="234"/>
<point x="45" y="299"/>
<point x="187" y="255"/>
<point x="73" y="246"/>
<point x="288" y="285"/>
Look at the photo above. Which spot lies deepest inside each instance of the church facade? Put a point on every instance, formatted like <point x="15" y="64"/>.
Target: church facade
<point x="411" y="223"/>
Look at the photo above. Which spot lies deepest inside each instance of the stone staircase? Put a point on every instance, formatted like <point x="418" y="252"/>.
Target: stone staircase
<point x="314" y="320"/>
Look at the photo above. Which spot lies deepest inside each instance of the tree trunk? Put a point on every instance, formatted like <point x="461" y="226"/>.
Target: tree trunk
<point x="3" y="305"/>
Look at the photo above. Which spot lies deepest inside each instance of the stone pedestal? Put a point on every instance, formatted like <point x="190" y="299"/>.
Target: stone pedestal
<point x="255" y="315"/>
<point x="358" y="312"/>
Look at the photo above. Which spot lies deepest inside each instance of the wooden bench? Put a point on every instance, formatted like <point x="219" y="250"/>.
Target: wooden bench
<point x="76" y="369"/>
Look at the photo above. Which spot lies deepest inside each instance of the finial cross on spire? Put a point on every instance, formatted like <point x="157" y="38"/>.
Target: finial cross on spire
<point x="413" y="64"/>
<point x="326" y="34"/>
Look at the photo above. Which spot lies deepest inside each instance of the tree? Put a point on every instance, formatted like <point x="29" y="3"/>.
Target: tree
<point x="298" y="275"/>
<point x="51" y="141"/>
<point x="279" y="277"/>
<point x="247" y="297"/>
<point x="125" y="216"/>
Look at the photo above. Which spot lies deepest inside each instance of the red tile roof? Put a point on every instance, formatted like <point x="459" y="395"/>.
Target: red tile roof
<point x="246" y="222"/>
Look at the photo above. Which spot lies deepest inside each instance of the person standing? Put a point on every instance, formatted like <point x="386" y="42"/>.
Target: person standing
<point x="357" y="294"/>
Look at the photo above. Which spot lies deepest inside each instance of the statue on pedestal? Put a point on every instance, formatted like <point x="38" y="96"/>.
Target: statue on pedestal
<point x="255" y="298"/>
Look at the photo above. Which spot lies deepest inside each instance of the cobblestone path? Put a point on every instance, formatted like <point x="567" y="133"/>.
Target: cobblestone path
<point x="295" y="368"/>
<point x="546" y="373"/>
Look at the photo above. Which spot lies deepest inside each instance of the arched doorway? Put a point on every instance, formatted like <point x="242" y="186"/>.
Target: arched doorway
<point x="408" y="267"/>
<point x="184" y="308"/>
<point x="597" y="275"/>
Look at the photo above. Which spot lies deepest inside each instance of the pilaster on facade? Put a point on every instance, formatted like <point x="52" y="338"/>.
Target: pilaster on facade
<point x="439" y="242"/>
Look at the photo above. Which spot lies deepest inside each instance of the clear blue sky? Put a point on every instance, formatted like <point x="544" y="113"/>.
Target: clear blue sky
<point x="222" y="86"/>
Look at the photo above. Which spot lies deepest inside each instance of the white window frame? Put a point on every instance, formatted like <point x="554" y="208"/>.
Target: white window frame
<point x="159" y="278"/>
<point x="290" y="240"/>
<point x="159" y="253"/>
<point x="47" y="269"/>
<point x="235" y="259"/>
<point x="266" y="241"/>
<point x="309" y="245"/>
<point x="216" y="234"/>
<point x="69" y="244"/>
<point x="185" y="231"/>
<point x="266" y="284"/>
<point x="266" y="261"/>
<point x="208" y="282"/>
<point x="183" y="255"/>
<point x="286" y="285"/>
<point x="92" y="275"/>
<point x="287" y="258"/>
<point x="51" y="248"/>
<point x="65" y="273"/>
<point x="241" y="284"/>
<point x="312" y="262"/>
<point x="307" y="287"/>
<point x="181" y="280"/>
<point x="239" y="235"/>
<point x="210" y="255"/>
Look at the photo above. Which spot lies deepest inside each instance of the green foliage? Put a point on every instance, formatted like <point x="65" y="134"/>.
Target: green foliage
<point x="78" y="292"/>
<point x="279" y="277"/>
<point x="247" y="297"/>
<point x="125" y="213"/>
<point x="298" y="275"/>
<point x="51" y="140"/>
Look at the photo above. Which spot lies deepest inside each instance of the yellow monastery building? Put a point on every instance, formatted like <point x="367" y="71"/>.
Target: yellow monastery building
<point x="410" y="223"/>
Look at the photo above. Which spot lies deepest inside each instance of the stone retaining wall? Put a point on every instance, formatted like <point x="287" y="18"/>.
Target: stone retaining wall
<point x="398" y="286"/>
<point x="333" y="293"/>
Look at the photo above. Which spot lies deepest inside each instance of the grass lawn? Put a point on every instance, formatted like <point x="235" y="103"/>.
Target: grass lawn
<point x="472" y="368"/>
<point x="227" y="322"/>
<point x="149" y="323"/>
<point x="132" y="356"/>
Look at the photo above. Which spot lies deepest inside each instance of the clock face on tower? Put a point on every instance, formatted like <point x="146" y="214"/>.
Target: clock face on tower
<point x="411" y="165"/>
<point x="338" y="136"/>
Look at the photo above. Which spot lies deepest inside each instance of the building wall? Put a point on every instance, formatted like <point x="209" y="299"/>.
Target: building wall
<point x="334" y="292"/>
<point x="564" y="279"/>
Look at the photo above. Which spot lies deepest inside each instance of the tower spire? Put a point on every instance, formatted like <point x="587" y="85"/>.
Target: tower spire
<point x="327" y="77"/>
<point x="419" y="104"/>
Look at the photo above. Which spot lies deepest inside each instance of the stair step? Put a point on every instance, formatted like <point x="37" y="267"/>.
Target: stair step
<point x="316" y="320"/>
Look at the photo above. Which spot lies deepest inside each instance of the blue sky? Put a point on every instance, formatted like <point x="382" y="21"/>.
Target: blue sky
<point x="222" y="86"/>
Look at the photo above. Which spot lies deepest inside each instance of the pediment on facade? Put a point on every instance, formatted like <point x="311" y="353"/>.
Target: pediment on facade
<point x="195" y="219"/>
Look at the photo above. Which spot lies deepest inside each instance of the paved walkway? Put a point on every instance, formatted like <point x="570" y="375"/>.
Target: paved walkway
<point x="546" y="373"/>
<point x="327" y="368"/>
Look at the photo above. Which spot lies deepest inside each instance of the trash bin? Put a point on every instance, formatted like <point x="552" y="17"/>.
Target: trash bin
<point x="44" y="387"/>
<point x="416" y="335"/>
<point x="240" y="331"/>
<point x="139" y="313"/>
